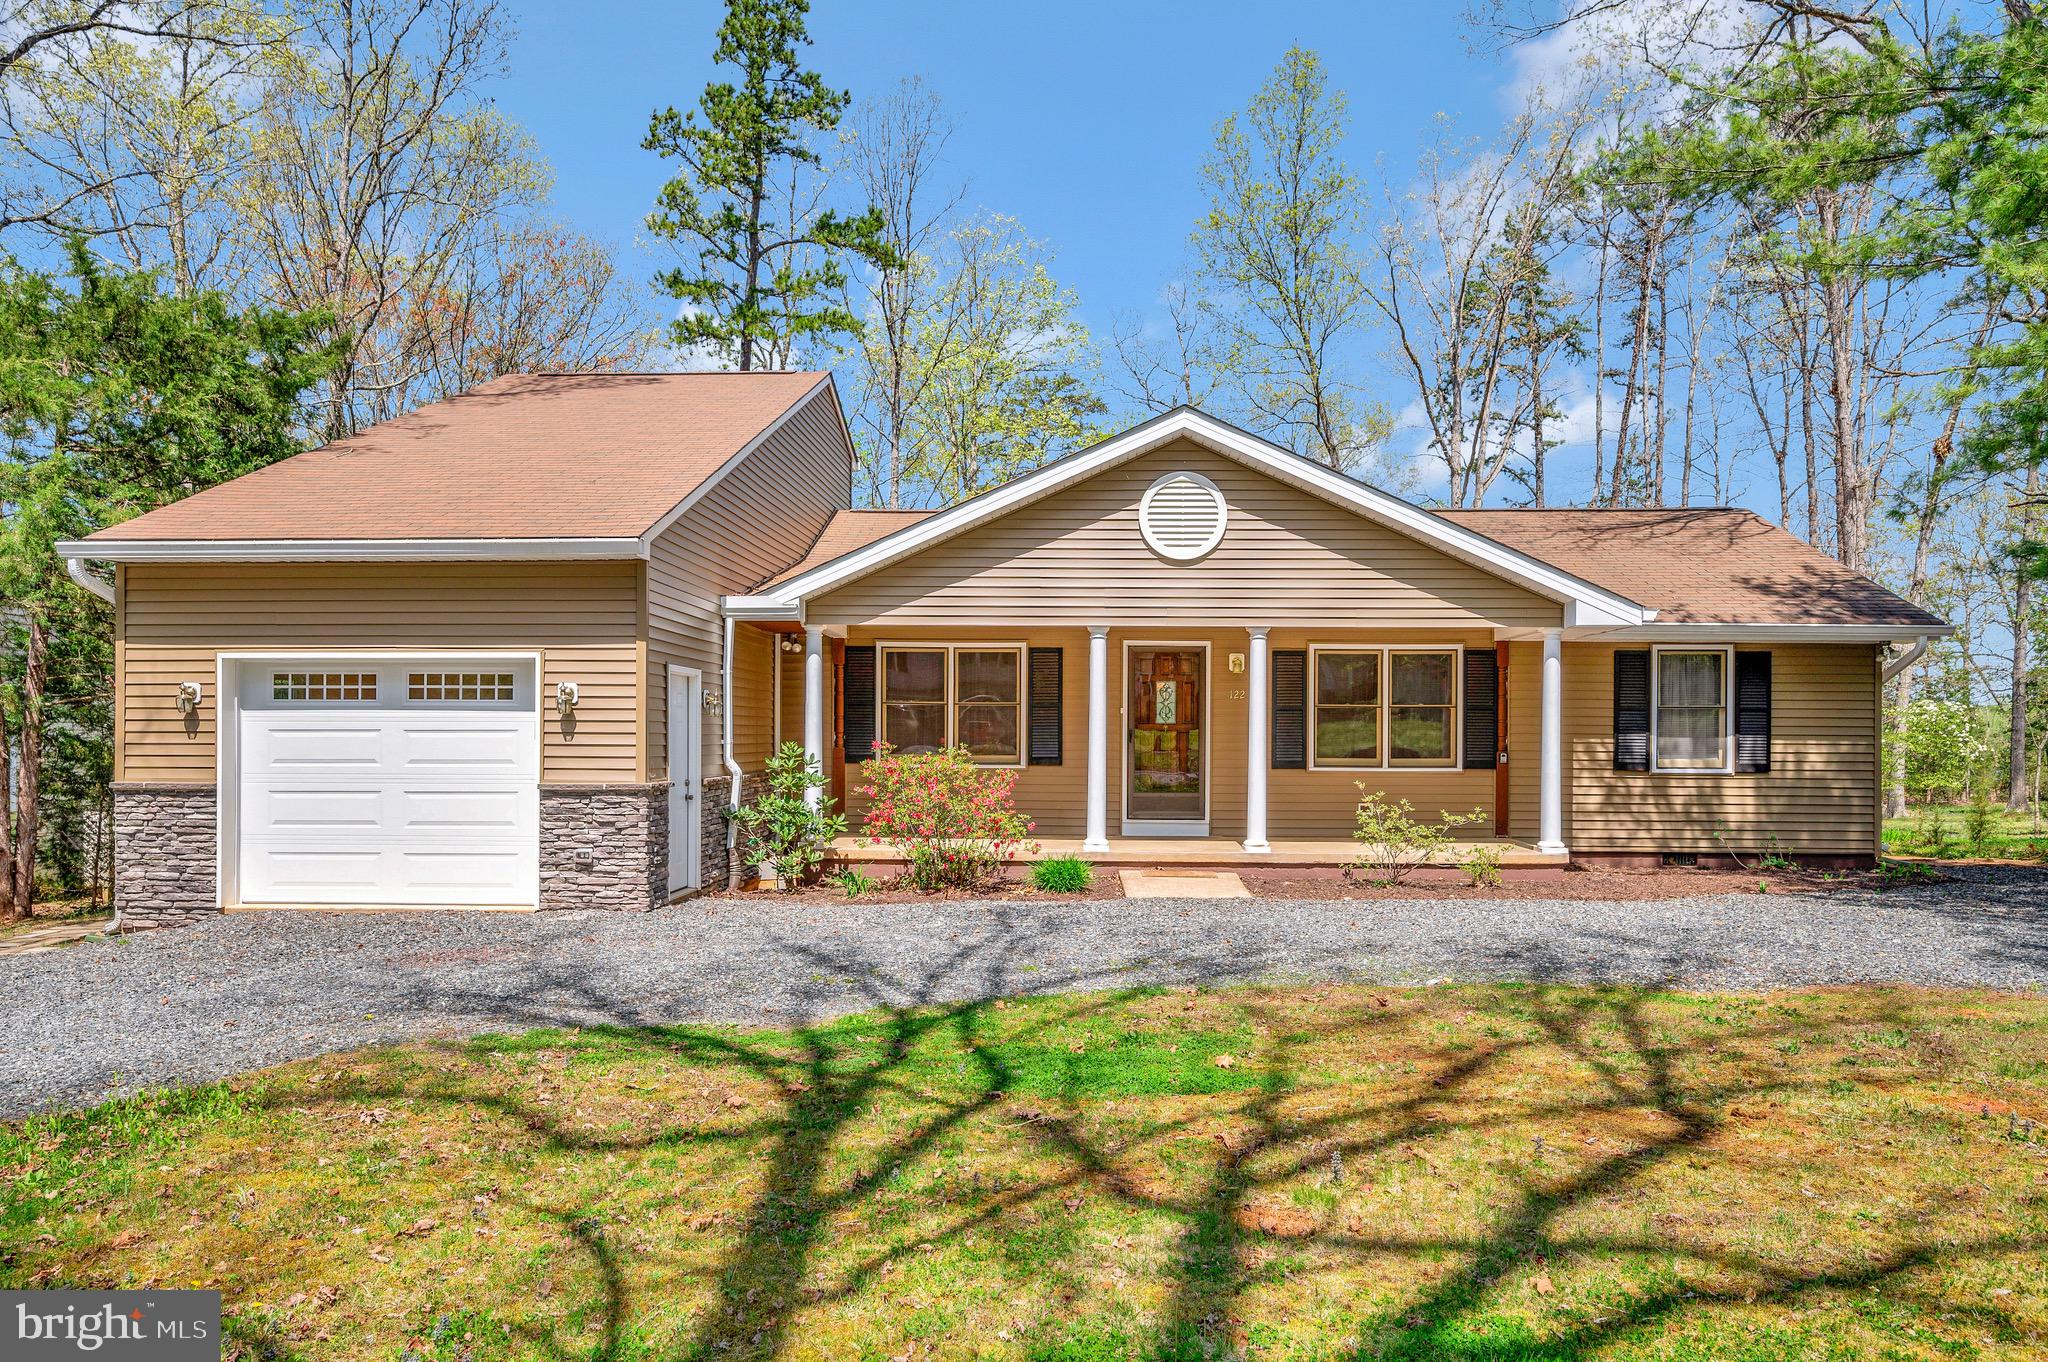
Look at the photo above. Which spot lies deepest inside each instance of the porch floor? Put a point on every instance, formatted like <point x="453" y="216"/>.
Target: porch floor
<point x="1221" y="851"/>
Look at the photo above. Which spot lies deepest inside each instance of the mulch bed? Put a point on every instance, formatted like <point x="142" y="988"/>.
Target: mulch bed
<point x="1335" y="884"/>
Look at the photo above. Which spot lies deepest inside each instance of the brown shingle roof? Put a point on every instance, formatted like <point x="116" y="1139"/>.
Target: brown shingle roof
<point x="1699" y="565"/>
<point x="845" y="532"/>
<point x="525" y="456"/>
<point x="1710" y="565"/>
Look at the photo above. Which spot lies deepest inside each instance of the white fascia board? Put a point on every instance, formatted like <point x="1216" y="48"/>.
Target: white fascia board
<point x="1583" y="614"/>
<point x="1468" y="545"/>
<point x="345" y="550"/>
<point x="1777" y="633"/>
<point x="762" y="608"/>
<point x="698" y="493"/>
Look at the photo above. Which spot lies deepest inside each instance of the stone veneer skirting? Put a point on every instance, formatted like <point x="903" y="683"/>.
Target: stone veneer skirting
<point x="604" y="846"/>
<point x="165" y="845"/>
<point x="717" y="862"/>
<point x="601" y="846"/>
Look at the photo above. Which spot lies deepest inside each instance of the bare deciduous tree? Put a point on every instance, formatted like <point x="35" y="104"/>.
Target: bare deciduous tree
<point x="1279" y="245"/>
<point x="894" y="149"/>
<point x="1452" y="260"/>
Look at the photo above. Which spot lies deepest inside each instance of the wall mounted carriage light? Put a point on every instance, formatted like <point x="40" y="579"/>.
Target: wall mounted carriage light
<point x="566" y="696"/>
<point x="188" y="697"/>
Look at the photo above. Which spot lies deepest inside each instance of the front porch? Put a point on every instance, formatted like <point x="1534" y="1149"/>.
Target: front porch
<point x="1518" y="859"/>
<point x="1130" y="751"/>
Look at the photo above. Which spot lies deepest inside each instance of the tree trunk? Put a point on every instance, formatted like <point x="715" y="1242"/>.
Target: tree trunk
<point x="2022" y="608"/>
<point x="1855" y="498"/>
<point x="7" y="911"/>
<point x="1916" y="587"/>
<point x="28" y="775"/>
<point x="1536" y="423"/>
<point x="1599" y="372"/>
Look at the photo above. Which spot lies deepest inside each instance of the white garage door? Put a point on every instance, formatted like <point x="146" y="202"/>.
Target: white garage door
<point x="410" y="782"/>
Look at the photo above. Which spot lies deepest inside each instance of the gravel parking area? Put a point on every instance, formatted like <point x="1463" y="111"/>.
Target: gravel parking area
<point x="115" y="1015"/>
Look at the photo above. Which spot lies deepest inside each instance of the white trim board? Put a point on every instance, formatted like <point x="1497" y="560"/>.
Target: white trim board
<point x="1586" y="605"/>
<point x="343" y="550"/>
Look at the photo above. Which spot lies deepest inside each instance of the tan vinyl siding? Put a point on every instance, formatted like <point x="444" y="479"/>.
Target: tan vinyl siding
<point x="176" y="619"/>
<point x="1287" y="558"/>
<point x="1525" y="741"/>
<point x="1299" y="804"/>
<point x="1819" y="797"/>
<point x="752" y="718"/>
<point x="791" y="667"/>
<point x="758" y="519"/>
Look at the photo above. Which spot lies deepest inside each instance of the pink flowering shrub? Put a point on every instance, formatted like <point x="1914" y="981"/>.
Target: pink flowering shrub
<point x="955" y="823"/>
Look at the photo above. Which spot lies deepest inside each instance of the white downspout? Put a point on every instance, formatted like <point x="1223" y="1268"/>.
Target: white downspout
<point x="1903" y="660"/>
<point x="75" y="569"/>
<point x="732" y="766"/>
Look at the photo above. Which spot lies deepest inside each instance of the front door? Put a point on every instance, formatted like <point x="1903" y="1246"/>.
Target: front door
<point x="685" y="775"/>
<point x="1165" y="785"/>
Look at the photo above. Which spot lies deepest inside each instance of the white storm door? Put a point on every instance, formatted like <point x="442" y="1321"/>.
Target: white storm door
<point x="685" y="776"/>
<point x="411" y="782"/>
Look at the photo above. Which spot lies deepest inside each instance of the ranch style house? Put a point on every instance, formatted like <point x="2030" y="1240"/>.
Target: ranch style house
<point x="524" y="648"/>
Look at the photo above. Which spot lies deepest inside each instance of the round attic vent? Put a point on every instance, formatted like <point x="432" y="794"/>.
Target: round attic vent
<point x="1182" y="516"/>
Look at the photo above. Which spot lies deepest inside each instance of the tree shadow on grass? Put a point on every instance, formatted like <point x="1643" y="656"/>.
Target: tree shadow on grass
<point x="1285" y="1124"/>
<point x="824" y="1078"/>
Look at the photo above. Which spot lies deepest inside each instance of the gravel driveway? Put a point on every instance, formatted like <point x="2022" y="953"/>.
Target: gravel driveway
<point x="118" y="1014"/>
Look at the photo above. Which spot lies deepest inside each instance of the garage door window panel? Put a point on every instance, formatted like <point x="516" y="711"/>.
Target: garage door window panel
<point x="323" y="687"/>
<point x="464" y="687"/>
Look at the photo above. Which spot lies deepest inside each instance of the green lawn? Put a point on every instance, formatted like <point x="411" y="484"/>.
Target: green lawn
<point x="1481" y="1173"/>
<point x="1945" y="833"/>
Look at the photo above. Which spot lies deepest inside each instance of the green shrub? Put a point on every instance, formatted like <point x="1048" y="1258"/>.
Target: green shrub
<point x="856" y="883"/>
<point x="1980" y="822"/>
<point x="1062" y="875"/>
<point x="781" y="829"/>
<point x="1935" y="836"/>
<point x="1483" y="866"/>
<point x="1392" y="843"/>
<point x="952" y="820"/>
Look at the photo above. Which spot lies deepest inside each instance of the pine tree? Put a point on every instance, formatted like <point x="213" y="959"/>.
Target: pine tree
<point x="760" y="276"/>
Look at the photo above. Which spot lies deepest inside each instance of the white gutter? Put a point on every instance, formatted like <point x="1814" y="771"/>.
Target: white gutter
<point x="1735" y="632"/>
<point x="76" y="570"/>
<point x="348" y="550"/>
<point x="1903" y="660"/>
<point x="732" y="767"/>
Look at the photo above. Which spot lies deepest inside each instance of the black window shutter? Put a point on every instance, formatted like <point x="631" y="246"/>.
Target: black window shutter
<point x="1752" y="712"/>
<point x="1482" y="709"/>
<point x="860" y="703"/>
<point x="1043" y="747"/>
<point x="1632" y="709"/>
<point x="1290" y="709"/>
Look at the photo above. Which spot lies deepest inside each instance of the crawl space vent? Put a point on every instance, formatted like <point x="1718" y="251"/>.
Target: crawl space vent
<point x="1182" y="516"/>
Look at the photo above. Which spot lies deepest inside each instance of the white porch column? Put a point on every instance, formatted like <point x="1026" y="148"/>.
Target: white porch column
<point x="1098" y="739"/>
<point x="1255" y="748"/>
<point x="1550" y="797"/>
<point x="814" y="705"/>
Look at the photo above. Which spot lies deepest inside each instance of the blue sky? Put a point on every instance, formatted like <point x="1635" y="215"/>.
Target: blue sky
<point x="1085" y="121"/>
